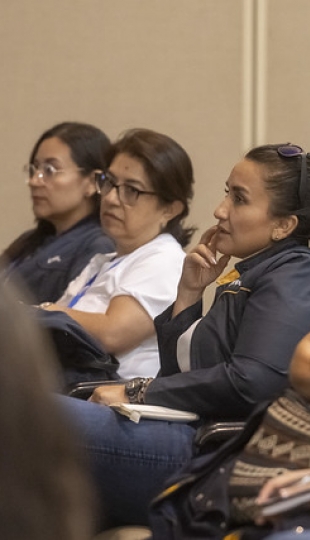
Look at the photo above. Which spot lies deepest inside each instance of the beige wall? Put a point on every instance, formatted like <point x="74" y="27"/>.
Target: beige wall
<point x="217" y="75"/>
<point x="281" y="74"/>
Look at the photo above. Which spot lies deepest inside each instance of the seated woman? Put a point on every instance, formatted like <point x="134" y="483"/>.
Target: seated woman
<point x="145" y="196"/>
<point x="45" y="492"/>
<point x="66" y="206"/>
<point x="222" y="364"/>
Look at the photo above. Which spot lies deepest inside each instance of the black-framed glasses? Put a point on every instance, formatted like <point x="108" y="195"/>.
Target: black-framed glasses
<point x="291" y="151"/>
<point x="127" y="194"/>
<point x="44" y="171"/>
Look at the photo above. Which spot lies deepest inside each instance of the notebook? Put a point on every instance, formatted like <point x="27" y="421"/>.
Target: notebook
<point x="155" y="412"/>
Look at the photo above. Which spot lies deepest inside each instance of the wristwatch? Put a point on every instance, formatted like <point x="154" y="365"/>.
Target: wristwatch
<point x="135" y="388"/>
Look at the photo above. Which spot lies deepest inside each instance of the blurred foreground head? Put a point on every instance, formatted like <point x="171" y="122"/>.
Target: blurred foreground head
<point x="45" y="493"/>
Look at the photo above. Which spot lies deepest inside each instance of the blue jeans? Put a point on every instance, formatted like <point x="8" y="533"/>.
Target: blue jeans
<point x="129" y="461"/>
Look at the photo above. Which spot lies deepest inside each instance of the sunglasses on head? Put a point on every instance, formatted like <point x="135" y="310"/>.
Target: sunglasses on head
<point x="291" y="151"/>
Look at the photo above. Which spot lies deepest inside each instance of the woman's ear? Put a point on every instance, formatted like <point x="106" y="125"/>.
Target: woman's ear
<point x="173" y="209"/>
<point x="90" y="186"/>
<point x="285" y="227"/>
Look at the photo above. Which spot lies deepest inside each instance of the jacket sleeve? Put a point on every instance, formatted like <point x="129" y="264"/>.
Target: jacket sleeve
<point x="275" y="318"/>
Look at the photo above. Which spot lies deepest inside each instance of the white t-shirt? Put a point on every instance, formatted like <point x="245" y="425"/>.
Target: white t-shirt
<point x="150" y="274"/>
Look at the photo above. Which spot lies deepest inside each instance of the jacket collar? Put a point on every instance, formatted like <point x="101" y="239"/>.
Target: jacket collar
<point x="250" y="262"/>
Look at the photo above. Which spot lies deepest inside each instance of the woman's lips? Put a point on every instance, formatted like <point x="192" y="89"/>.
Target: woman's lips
<point x="221" y="230"/>
<point x="37" y="199"/>
<point x="110" y="216"/>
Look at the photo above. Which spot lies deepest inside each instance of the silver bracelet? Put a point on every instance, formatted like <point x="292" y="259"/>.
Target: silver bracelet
<point x="135" y="388"/>
<point x="143" y="388"/>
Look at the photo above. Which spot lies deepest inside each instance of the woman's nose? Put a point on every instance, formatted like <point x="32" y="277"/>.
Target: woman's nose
<point x="112" y="196"/>
<point x="221" y="210"/>
<point x="36" y="179"/>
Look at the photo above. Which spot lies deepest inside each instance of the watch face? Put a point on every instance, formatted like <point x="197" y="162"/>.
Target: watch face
<point x="130" y="387"/>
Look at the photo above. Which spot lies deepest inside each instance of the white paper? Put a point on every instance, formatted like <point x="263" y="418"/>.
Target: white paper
<point x="136" y="411"/>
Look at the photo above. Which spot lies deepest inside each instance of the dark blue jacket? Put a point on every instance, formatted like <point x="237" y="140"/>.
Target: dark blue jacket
<point x="60" y="259"/>
<point x="241" y="349"/>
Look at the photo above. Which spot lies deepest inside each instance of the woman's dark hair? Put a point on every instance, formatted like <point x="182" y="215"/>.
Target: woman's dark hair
<point x="169" y="169"/>
<point x="283" y="180"/>
<point x="88" y="147"/>
<point x="45" y="489"/>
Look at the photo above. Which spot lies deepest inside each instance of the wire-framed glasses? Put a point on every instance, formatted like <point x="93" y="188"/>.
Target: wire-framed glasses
<point x="44" y="171"/>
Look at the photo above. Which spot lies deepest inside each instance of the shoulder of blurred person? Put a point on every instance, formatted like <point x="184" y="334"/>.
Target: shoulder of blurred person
<point x="45" y="489"/>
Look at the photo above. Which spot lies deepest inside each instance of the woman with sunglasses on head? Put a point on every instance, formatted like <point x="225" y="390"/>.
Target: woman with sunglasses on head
<point x="66" y="207"/>
<point x="218" y="365"/>
<point x="145" y="196"/>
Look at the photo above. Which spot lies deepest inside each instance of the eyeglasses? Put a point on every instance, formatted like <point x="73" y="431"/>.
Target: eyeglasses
<point x="289" y="151"/>
<point x="45" y="171"/>
<point x="127" y="194"/>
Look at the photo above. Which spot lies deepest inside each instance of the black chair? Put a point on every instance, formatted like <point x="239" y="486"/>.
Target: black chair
<point x="83" y="390"/>
<point x="212" y="434"/>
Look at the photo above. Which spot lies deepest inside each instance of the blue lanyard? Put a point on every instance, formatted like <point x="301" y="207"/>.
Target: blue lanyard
<point x="80" y="294"/>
